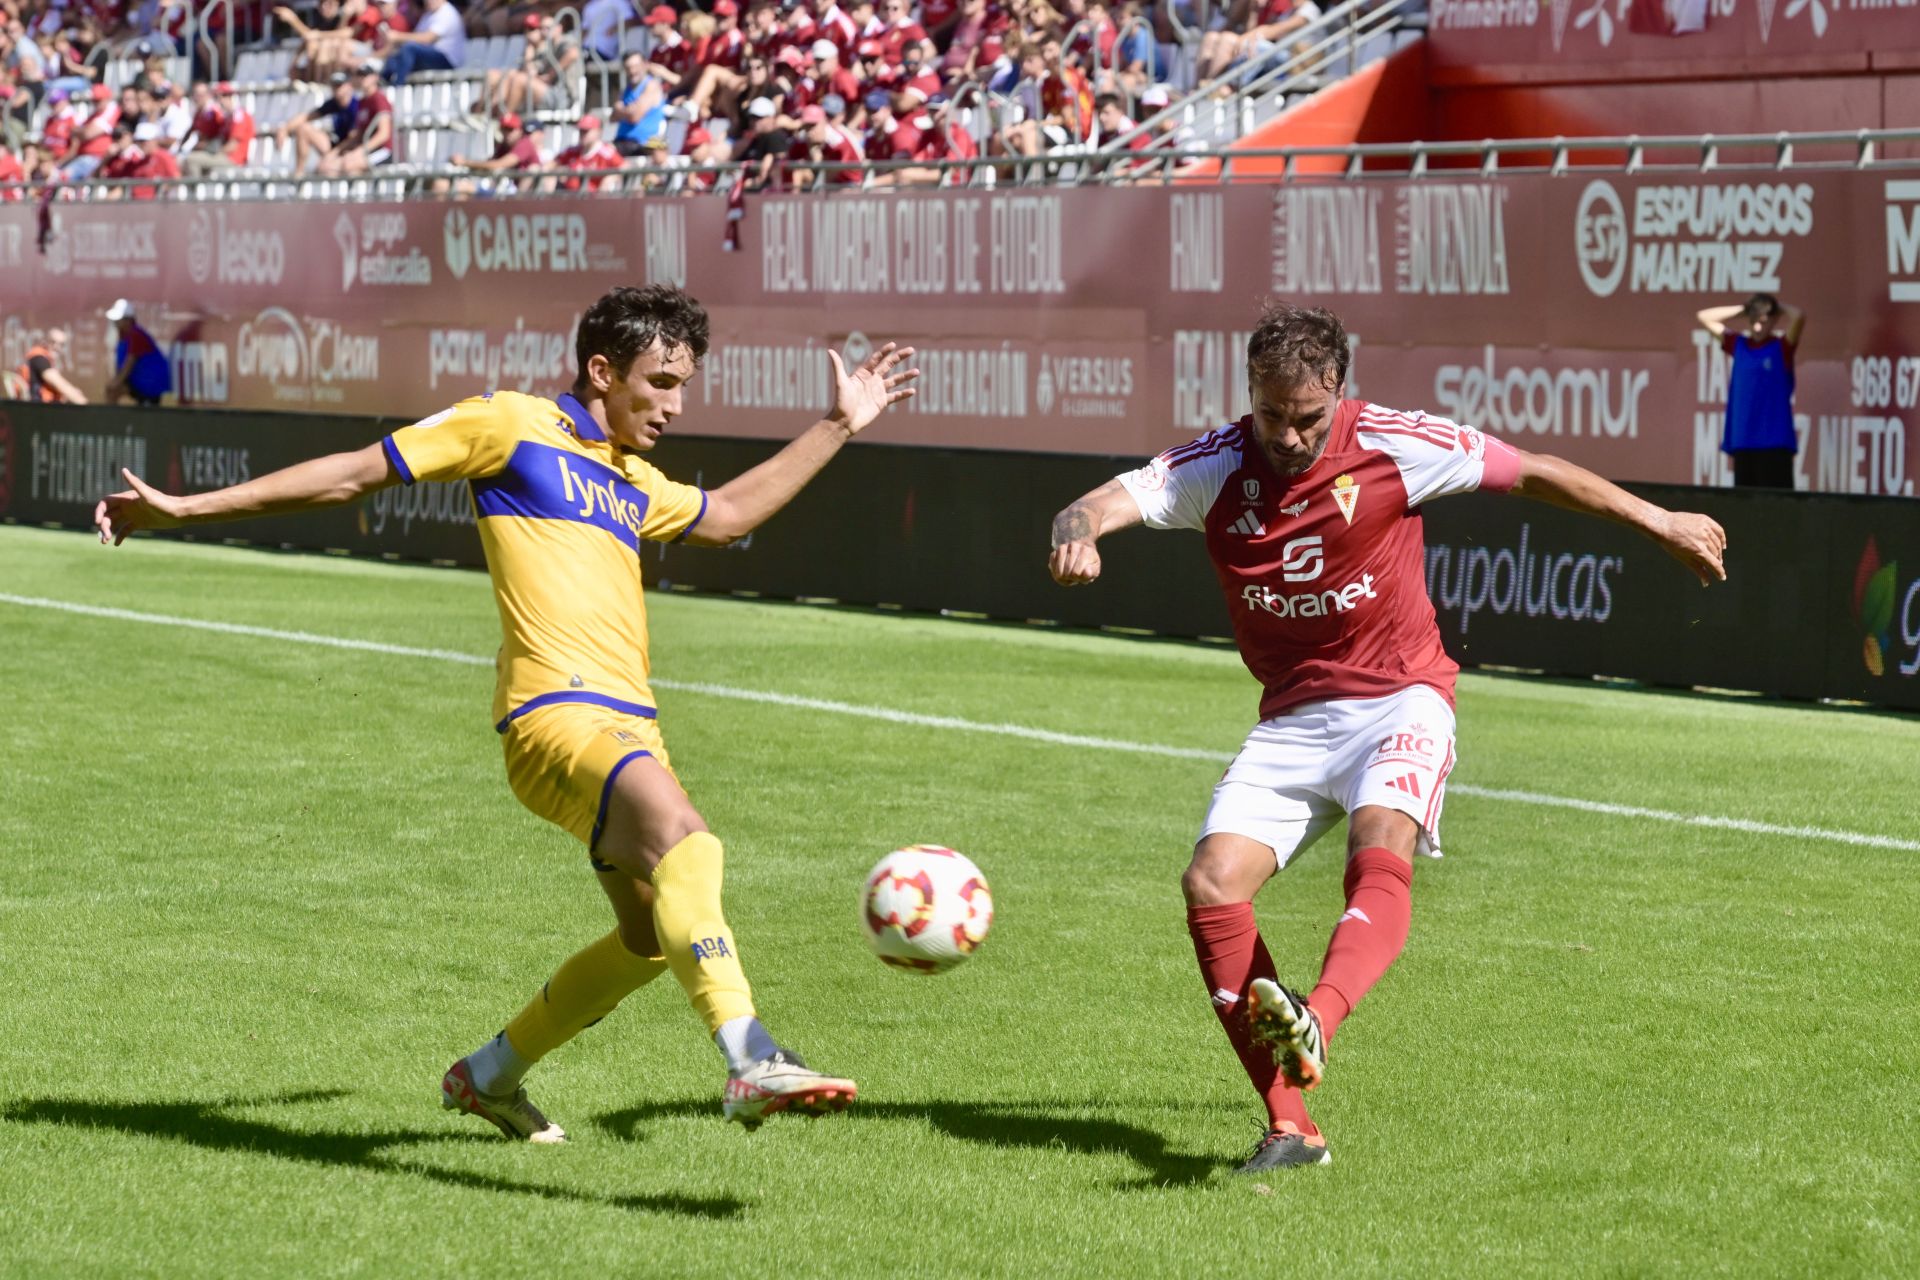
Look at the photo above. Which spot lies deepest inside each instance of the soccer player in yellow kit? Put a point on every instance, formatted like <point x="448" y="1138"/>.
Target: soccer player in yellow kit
<point x="564" y="499"/>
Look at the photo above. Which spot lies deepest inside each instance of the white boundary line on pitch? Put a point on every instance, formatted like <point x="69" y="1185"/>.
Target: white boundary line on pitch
<point x="918" y="720"/>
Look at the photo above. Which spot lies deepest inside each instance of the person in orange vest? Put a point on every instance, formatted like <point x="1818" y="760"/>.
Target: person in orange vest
<point x="40" y="372"/>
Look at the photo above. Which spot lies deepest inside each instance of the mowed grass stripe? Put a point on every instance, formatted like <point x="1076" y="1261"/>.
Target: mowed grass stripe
<point x="918" y="720"/>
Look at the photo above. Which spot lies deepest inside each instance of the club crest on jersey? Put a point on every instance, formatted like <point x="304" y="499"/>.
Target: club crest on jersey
<point x="1346" y="495"/>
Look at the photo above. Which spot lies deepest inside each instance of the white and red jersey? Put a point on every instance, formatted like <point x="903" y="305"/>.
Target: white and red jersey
<point x="1325" y="571"/>
<point x="835" y="25"/>
<point x="725" y="49"/>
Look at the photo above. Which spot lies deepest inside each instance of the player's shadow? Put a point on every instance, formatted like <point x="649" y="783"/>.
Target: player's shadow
<point x="212" y="1126"/>
<point x="995" y="1124"/>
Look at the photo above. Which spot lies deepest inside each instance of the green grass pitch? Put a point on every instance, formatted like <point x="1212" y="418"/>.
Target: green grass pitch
<point x="259" y="893"/>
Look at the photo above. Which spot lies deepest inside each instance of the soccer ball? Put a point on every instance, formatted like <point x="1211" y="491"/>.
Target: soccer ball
<point x="925" y="908"/>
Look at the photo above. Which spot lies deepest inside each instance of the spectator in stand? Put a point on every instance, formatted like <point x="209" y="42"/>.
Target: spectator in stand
<point x="1110" y="114"/>
<point x="64" y="118"/>
<point x="1133" y="63"/>
<point x="1254" y="28"/>
<point x="1092" y="33"/>
<point x="824" y="139"/>
<point x="973" y="22"/>
<point x="938" y="18"/>
<point x="540" y="83"/>
<point x="1064" y="100"/>
<point x="517" y="148"/>
<point x="1761" y="336"/>
<point x="222" y="131"/>
<point x="155" y="158"/>
<point x="153" y="64"/>
<point x="11" y="171"/>
<point x="725" y="83"/>
<point x="317" y="132"/>
<point x="22" y="60"/>
<point x="601" y="25"/>
<point x="642" y="113"/>
<point x="834" y="25"/>
<point x="437" y="43"/>
<point x="123" y="157"/>
<point x="678" y="54"/>
<point x="94" y="140"/>
<point x="830" y="77"/>
<point x="898" y="29"/>
<point x="370" y="138"/>
<point x="328" y="44"/>
<point x="728" y="47"/>
<point x="592" y="153"/>
<point x="40" y="376"/>
<point x="241" y="129"/>
<point x="919" y="79"/>
<point x="764" y="149"/>
<point x="140" y="369"/>
<point x="877" y="144"/>
<point x="701" y="148"/>
<point x="172" y="112"/>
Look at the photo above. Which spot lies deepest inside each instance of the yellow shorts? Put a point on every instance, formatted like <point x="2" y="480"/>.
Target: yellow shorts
<point x="562" y="761"/>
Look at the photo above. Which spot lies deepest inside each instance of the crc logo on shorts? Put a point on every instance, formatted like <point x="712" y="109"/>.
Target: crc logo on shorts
<point x="1302" y="559"/>
<point x="711" y="948"/>
<point x="1600" y="238"/>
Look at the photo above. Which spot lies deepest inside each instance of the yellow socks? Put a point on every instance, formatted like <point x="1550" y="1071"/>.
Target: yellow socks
<point x="694" y="934"/>
<point x="581" y="992"/>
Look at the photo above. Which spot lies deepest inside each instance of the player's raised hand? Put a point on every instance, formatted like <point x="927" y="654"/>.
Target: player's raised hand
<point x="1698" y="542"/>
<point x="141" y="507"/>
<point x="868" y="391"/>
<point x="1074" y="564"/>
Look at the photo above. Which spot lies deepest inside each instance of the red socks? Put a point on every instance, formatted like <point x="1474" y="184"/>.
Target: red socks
<point x="1369" y="936"/>
<point x="1227" y="943"/>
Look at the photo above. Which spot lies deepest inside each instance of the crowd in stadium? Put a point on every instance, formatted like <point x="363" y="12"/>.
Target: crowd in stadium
<point x="774" y="84"/>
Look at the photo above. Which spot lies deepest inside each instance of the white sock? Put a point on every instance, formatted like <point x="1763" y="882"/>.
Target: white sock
<point x="497" y="1069"/>
<point x="744" y="1041"/>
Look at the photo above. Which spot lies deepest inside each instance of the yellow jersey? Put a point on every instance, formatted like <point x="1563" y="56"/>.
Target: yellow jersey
<point x="562" y="511"/>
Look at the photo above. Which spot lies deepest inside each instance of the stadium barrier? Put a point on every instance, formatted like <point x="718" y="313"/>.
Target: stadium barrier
<point x="1553" y="309"/>
<point x="1823" y="599"/>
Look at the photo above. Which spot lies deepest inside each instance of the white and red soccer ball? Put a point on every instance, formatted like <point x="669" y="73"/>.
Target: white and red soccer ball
<point x="925" y="908"/>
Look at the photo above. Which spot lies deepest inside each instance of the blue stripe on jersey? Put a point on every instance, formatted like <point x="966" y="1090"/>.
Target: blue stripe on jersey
<point x="393" y="456"/>
<point x="697" y="517"/>
<point x="558" y="696"/>
<point x="583" y="424"/>
<point x="545" y="483"/>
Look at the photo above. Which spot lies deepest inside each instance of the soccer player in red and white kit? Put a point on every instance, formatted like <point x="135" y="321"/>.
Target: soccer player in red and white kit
<point x="1311" y="510"/>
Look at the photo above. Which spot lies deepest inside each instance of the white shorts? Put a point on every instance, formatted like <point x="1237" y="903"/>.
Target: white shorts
<point x="1300" y="773"/>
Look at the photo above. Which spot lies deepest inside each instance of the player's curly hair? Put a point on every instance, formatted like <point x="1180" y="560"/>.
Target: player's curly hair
<point x="1296" y="345"/>
<point x="626" y="321"/>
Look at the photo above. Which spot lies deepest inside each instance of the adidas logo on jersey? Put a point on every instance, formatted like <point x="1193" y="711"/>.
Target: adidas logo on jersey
<point x="1248" y="526"/>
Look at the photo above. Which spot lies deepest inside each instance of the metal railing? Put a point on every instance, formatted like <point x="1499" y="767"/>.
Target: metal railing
<point x="1700" y="153"/>
<point x="1303" y="62"/>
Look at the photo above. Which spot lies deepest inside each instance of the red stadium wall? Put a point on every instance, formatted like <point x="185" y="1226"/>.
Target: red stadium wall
<point x="1535" y="41"/>
<point x="1554" y="311"/>
<point x="1384" y="101"/>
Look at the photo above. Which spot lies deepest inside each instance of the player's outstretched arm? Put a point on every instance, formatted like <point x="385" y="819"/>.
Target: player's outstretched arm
<point x="747" y="501"/>
<point x="305" y="486"/>
<point x="1075" y="559"/>
<point x="1694" y="540"/>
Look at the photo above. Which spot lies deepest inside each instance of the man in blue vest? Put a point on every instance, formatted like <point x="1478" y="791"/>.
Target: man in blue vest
<point x="1760" y="336"/>
<point x="140" y="369"/>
